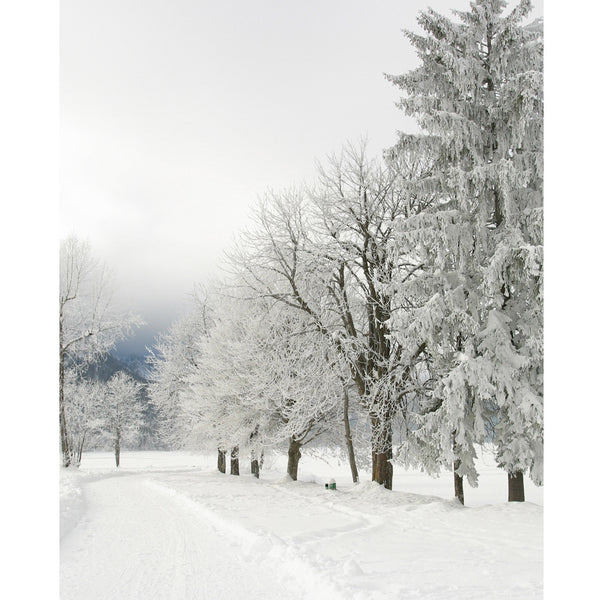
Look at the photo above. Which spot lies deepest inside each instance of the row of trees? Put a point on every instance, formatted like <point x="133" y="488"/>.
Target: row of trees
<point x="90" y="324"/>
<point x="402" y="296"/>
<point x="100" y="414"/>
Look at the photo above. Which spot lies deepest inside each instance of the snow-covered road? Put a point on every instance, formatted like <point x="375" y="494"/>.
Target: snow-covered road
<point x="134" y="542"/>
<point x="161" y="529"/>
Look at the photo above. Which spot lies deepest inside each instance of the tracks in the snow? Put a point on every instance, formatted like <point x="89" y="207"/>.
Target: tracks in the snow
<point x="133" y="543"/>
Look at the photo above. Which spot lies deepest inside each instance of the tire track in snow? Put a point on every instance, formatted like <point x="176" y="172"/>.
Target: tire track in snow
<point x="259" y="547"/>
<point x="324" y="575"/>
<point x="364" y="522"/>
<point x="132" y="543"/>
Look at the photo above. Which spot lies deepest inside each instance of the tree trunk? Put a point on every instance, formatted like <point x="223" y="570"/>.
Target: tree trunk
<point x="222" y="460"/>
<point x="235" y="460"/>
<point x="118" y="448"/>
<point x="459" y="493"/>
<point x="64" y="440"/>
<point x="349" y="443"/>
<point x="254" y="464"/>
<point x="294" y="455"/>
<point x="381" y="452"/>
<point x="516" y="489"/>
<point x="383" y="471"/>
<point x="80" y="450"/>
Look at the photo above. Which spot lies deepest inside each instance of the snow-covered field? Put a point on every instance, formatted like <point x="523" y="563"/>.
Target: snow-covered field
<point x="169" y="525"/>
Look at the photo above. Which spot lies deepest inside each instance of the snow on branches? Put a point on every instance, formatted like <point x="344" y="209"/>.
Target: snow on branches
<point x="412" y="284"/>
<point x="477" y="94"/>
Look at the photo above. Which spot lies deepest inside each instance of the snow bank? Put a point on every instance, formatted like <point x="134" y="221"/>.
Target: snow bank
<point x="71" y="499"/>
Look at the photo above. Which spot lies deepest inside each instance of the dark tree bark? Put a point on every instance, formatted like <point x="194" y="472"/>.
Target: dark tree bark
<point x="294" y="455"/>
<point x="79" y="451"/>
<point x="254" y="463"/>
<point x="516" y="488"/>
<point x="64" y="439"/>
<point x="383" y="471"/>
<point x="459" y="493"/>
<point x="349" y="443"/>
<point x="222" y="460"/>
<point x="381" y="452"/>
<point x="235" y="460"/>
<point x="118" y="448"/>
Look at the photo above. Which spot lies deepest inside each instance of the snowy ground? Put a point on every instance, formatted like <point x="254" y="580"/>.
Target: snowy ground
<point x="167" y="525"/>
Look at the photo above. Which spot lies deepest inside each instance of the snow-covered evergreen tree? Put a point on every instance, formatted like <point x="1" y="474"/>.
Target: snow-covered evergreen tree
<point x="478" y="96"/>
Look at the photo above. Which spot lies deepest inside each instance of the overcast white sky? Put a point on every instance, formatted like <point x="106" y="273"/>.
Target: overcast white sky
<point x="177" y="114"/>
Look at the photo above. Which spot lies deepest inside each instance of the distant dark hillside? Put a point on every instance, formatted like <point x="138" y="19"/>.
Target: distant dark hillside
<point x="104" y="369"/>
<point x="107" y="366"/>
<point x="136" y="363"/>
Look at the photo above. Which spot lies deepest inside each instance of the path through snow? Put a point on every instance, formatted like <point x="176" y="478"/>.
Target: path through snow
<point x="162" y="531"/>
<point x="133" y="542"/>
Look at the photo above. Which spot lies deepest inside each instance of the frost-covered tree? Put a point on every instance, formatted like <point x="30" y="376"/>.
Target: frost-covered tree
<point x="173" y="359"/>
<point x="478" y="95"/>
<point x="89" y="322"/>
<point x="324" y="252"/>
<point x="306" y="388"/>
<point x="358" y="202"/>
<point x="220" y="388"/>
<point x="121" y="415"/>
<point x="83" y="401"/>
<point x="262" y="381"/>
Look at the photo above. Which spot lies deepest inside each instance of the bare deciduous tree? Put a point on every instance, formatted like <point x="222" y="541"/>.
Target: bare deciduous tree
<point x="89" y="322"/>
<point x="325" y="252"/>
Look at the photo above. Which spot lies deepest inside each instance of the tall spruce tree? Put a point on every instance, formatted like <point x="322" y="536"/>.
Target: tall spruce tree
<point x="478" y="96"/>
